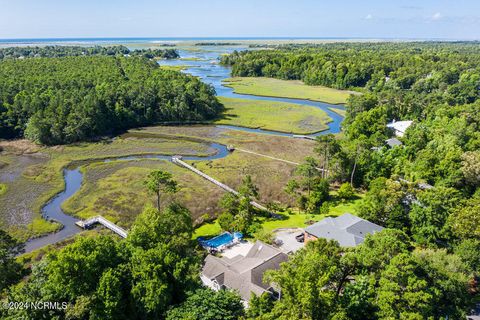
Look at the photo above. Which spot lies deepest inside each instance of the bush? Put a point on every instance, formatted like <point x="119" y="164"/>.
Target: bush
<point x="346" y="191"/>
<point x="264" y="236"/>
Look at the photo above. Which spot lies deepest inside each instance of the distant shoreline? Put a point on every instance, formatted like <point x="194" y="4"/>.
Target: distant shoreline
<point x="186" y="39"/>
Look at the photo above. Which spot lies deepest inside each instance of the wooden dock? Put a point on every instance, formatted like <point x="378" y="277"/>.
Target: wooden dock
<point x="177" y="160"/>
<point x="86" y="224"/>
<point x="299" y="136"/>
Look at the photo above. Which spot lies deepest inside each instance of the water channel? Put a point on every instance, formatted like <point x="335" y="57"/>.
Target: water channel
<point x="203" y="64"/>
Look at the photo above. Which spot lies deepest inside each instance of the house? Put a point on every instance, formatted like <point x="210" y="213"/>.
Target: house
<point x="393" y="142"/>
<point x="348" y="230"/>
<point x="399" y="127"/>
<point x="243" y="273"/>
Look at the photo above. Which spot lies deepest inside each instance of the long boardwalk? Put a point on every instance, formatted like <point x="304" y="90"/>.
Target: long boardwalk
<point x="274" y="158"/>
<point x="106" y="223"/>
<point x="177" y="160"/>
<point x="267" y="156"/>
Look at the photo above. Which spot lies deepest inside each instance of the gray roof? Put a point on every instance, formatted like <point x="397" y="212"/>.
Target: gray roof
<point x="393" y="142"/>
<point x="347" y="229"/>
<point x="245" y="273"/>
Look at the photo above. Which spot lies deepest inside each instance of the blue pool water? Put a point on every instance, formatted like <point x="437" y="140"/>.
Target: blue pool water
<point x="223" y="239"/>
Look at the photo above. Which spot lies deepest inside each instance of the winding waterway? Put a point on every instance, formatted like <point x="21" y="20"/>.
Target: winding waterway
<point x="204" y="64"/>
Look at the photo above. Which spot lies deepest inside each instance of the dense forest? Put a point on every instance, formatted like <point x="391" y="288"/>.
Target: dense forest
<point x="62" y="100"/>
<point x="67" y="51"/>
<point x="427" y="189"/>
<point x="435" y="84"/>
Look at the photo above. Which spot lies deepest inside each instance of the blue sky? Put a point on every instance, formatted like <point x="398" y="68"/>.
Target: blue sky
<point x="450" y="19"/>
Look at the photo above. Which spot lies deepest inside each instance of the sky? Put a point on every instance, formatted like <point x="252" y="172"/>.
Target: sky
<point x="397" y="19"/>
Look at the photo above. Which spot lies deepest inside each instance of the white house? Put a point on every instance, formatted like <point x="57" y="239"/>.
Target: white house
<point x="399" y="127"/>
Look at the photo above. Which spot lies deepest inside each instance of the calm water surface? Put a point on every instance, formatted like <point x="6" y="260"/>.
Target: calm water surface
<point x="208" y="70"/>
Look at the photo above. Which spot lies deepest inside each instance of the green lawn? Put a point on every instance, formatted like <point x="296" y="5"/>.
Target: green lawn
<point x="294" y="220"/>
<point x="299" y="220"/>
<point x="287" y="89"/>
<point x="207" y="230"/>
<point x="276" y="116"/>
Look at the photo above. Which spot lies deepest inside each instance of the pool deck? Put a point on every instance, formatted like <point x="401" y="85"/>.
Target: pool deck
<point x="241" y="248"/>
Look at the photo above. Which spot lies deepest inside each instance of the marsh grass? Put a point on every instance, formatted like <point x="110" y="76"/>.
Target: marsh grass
<point x="295" y="89"/>
<point x="3" y="189"/>
<point x="116" y="191"/>
<point x="31" y="180"/>
<point x="175" y="68"/>
<point x="272" y="115"/>
<point x="341" y="112"/>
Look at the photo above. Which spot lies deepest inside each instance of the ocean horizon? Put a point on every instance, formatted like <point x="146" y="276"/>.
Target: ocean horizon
<point x="179" y="39"/>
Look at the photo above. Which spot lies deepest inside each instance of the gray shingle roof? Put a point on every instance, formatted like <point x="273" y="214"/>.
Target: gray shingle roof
<point x="244" y="274"/>
<point x="393" y="142"/>
<point x="347" y="229"/>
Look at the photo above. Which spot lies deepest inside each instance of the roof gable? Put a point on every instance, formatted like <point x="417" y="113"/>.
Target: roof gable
<point x="244" y="274"/>
<point x="348" y="230"/>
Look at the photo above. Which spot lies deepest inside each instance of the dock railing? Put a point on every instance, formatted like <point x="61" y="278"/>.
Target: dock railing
<point x="178" y="161"/>
<point x="85" y="224"/>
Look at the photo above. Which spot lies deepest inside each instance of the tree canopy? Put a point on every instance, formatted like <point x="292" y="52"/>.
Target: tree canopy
<point x="62" y="100"/>
<point x="67" y="51"/>
<point x="105" y="278"/>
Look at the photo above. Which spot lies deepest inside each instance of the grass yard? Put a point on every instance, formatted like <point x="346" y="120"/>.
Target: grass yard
<point x="271" y="115"/>
<point x="300" y="219"/>
<point x="287" y="88"/>
<point x="207" y="230"/>
<point x="294" y="220"/>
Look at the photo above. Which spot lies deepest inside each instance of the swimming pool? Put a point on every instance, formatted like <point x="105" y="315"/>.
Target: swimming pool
<point x="221" y="240"/>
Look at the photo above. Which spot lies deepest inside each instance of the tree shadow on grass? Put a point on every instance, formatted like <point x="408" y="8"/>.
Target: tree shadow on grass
<point x="335" y="200"/>
<point x="225" y="115"/>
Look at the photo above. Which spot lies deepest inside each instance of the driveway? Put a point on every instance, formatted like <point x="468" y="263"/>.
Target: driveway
<point x="286" y="239"/>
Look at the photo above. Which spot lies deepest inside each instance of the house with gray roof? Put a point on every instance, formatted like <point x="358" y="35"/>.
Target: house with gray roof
<point x="243" y="273"/>
<point x="348" y="230"/>
<point x="393" y="142"/>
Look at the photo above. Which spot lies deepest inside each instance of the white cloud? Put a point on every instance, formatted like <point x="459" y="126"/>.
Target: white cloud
<point x="369" y="17"/>
<point x="437" y="16"/>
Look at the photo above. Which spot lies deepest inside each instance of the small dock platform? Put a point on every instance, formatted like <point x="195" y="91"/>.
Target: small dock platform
<point x="86" y="224"/>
